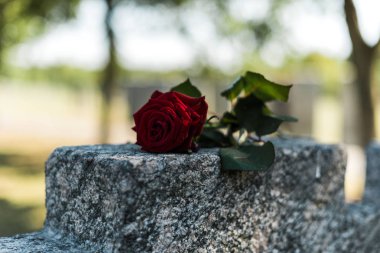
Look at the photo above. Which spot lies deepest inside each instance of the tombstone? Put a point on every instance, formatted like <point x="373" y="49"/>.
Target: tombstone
<point x="116" y="198"/>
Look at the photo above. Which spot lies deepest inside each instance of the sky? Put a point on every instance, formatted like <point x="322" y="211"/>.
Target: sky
<point x="148" y="40"/>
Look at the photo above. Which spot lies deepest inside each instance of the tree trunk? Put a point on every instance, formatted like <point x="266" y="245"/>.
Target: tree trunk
<point x="108" y="82"/>
<point x="2" y="24"/>
<point x="363" y="91"/>
<point x="362" y="58"/>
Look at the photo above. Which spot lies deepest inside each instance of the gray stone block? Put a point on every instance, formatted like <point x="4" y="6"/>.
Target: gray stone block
<point x="115" y="198"/>
<point x="372" y="193"/>
<point x="42" y="242"/>
<point x="120" y="199"/>
<point x="371" y="227"/>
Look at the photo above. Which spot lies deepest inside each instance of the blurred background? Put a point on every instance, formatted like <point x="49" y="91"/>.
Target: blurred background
<point x="73" y="72"/>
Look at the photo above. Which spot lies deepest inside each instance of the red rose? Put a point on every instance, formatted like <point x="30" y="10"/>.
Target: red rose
<point x="169" y="122"/>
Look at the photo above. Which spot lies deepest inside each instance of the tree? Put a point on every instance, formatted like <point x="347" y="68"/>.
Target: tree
<point x="109" y="75"/>
<point x="20" y="19"/>
<point x="363" y="59"/>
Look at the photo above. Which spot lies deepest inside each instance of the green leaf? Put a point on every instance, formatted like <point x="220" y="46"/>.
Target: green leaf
<point x="264" y="89"/>
<point x="188" y="89"/>
<point x="248" y="158"/>
<point x="270" y="123"/>
<point x="211" y="137"/>
<point x="236" y="88"/>
<point x="248" y="112"/>
<point x="266" y="110"/>
<point x="267" y="125"/>
<point x="228" y="118"/>
<point x="285" y="118"/>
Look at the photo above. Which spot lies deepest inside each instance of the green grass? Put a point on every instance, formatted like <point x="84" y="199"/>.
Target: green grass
<point x="21" y="192"/>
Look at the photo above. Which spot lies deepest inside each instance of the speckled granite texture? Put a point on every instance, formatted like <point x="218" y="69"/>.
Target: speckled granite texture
<point x="372" y="194"/>
<point x="371" y="228"/>
<point x="128" y="201"/>
<point x="115" y="198"/>
<point x="40" y="242"/>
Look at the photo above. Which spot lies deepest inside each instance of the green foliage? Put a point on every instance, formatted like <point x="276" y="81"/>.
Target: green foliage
<point x="59" y="75"/>
<point x="212" y="137"/>
<point x="187" y="88"/>
<point x="250" y="115"/>
<point x="167" y="3"/>
<point x="249" y="157"/>
<point x="248" y="111"/>
<point x="267" y="125"/>
<point x="257" y="84"/>
<point x="236" y="88"/>
<point x="21" y="19"/>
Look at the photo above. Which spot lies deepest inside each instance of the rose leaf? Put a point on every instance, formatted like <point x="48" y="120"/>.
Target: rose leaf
<point x="264" y="89"/>
<point x="248" y="158"/>
<point x="270" y="123"/>
<point x="248" y="112"/>
<point x="285" y="118"/>
<point x="236" y="88"/>
<point x="188" y="89"/>
<point x="228" y="118"/>
<point x="212" y="137"/>
<point x="267" y="125"/>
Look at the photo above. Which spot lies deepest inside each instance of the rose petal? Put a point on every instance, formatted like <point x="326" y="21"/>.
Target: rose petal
<point x="169" y="122"/>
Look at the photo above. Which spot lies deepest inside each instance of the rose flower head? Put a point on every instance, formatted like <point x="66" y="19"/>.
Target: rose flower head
<point x="169" y="122"/>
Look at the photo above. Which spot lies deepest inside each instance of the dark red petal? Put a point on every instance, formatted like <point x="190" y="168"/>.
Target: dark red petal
<point x="156" y="94"/>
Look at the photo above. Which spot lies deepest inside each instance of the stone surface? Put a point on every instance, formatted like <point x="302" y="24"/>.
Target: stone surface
<point x="371" y="228"/>
<point x="115" y="198"/>
<point x="364" y="217"/>
<point x="44" y="241"/>
<point x="372" y="194"/>
<point x="120" y="199"/>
